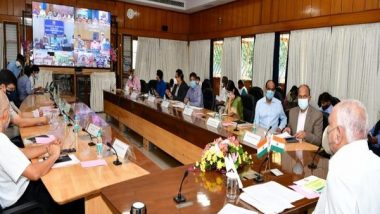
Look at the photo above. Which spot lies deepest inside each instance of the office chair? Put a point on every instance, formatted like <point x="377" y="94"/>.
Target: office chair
<point x="25" y="208"/>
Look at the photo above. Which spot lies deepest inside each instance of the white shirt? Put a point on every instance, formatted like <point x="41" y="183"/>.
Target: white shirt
<point x="352" y="181"/>
<point x="12" y="164"/>
<point x="301" y="120"/>
<point x="223" y="95"/>
<point x="32" y="82"/>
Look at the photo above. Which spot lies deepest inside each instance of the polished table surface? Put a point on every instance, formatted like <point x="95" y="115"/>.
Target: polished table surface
<point x="206" y="190"/>
<point x="73" y="182"/>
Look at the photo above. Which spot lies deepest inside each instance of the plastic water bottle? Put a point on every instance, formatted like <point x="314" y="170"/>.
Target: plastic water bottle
<point x="254" y="129"/>
<point x="76" y="130"/>
<point x="99" y="145"/>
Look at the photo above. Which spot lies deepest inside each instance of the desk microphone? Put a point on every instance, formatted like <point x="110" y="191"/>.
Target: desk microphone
<point x="117" y="161"/>
<point x="236" y="129"/>
<point x="259" y="177"/>
<point x="312" y="165"/>
<point x="179" y="198"/>
<point x="266" y="133"/>
<point x="68" y="116"/>
<point x="90" y="135"/>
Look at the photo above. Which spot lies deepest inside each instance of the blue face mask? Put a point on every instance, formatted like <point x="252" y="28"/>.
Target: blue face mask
<point x="193" y="84"/>
<point x="303" y="103"/>
<point x="269" y="94"/>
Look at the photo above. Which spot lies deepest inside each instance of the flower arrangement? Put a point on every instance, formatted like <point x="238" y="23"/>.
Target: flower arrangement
<point x="214" y="153"/>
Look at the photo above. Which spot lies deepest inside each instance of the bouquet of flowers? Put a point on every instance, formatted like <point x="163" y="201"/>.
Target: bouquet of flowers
<point x="214" y="153"/>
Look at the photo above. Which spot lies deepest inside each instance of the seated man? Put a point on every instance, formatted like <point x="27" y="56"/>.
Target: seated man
<point x="161" y="85"/>
<point x="19" y="177"/>
<point x="133" y="82"/>
<point x="305" y="122"/>
<point x="25" y="119"/>
<point x="180" y="87"/>
<point x="325" y="102"/>
<point x="194" y="96"/>
<point x="353" y="169"/>
<point x="242" y="89"/>
<point x="269" y="111"/>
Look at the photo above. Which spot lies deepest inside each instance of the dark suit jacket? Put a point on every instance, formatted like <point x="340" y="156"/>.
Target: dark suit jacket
<point x="313" y="124"/>
<point x="182" y="91"/>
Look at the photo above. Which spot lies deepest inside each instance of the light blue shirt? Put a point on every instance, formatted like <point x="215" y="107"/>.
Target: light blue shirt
<point x="24" y="87"/>
<point x="328" y="110"/>
<point x="270" y="114"/>
<point x="195" y="96"/>
<point x="13" y="67"/>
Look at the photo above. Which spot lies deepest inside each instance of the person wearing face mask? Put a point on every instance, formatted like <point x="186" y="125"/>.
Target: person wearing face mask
<point x="269" y="111"/>
<point x="25" y="119"/>
<point x="16" y="66"/>
<point x="180" y="87"/>
<point x="325" y="102"/>
<point x="194" y="96"/>
<point x="305" y="121"/>
<point x="354" y="170"/>
<point x="133" y="82"/>
<point x="234" y="105"/>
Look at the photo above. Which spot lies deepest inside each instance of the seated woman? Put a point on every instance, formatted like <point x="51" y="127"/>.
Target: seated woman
<point x="234" y="105"/>
<point x="179" y="89"/>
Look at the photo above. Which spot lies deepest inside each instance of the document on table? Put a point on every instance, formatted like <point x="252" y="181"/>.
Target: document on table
<point x="232" y="209"/>
<point x="270" y="197"/>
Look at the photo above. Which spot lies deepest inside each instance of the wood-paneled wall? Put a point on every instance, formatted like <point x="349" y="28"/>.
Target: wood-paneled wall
<point x="245" y="17"/>
<point x="148" y="22"/>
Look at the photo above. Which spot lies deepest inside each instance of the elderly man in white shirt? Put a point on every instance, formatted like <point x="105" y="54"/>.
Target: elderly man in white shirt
<point x="352" y="181"/>
<point x="19" y="178"/>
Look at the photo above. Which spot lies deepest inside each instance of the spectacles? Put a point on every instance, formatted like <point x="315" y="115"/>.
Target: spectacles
<point x="330" y="130"/>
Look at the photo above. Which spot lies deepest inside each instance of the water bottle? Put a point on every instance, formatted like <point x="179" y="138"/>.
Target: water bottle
<point x="254" y="129"/>
<point x="76" y="130"/>
<point x="99" y="145"/>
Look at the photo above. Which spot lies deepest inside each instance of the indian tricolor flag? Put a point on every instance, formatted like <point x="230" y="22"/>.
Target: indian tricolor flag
<point x="262" y="148"/>
<point x="277" y="144"/>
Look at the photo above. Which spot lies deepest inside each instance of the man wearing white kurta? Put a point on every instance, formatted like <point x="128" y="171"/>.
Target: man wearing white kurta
<point x="354" y="171"/>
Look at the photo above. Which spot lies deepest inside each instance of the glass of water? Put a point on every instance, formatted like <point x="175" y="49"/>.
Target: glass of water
<point x="232" y="189"/>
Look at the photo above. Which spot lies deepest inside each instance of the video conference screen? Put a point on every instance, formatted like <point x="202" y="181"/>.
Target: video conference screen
<point x="65" y="36"/>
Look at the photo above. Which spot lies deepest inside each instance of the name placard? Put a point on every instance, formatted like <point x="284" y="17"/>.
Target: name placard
<point x="252" y="139"/>
<point x="213" y="122"/>
<point x="151" y="99"/>
<point x="93" y="129"/>
<point x="134" y="95"/>
<point x="121" y="148"/>
<point x="165" y="104"/>
<point x="188" y="111"/>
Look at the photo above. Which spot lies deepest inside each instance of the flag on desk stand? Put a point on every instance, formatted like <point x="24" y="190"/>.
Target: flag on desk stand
<point x="262" y="148"/>
<point x="277" y="144"/>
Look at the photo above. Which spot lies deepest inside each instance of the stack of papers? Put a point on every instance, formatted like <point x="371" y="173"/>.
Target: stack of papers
<point x="310" y="187"/>
<point x="270" y="197"/>
<point x="232" y="209"/>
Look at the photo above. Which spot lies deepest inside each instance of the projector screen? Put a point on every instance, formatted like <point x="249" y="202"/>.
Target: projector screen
<point x="63" y="36"/>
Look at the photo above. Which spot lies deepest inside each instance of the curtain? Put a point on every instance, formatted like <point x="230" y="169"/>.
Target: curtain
<point x="147" y="58"/>
<point x="263" y="59"/>
<point x="100" y="81"/>
<point x="173" y="55"/>
<point x="231" y="59"/>
<point x="355" y="68"/>
<point x="199" y="58"/>
<point x="1" y="45"/>
<point x="309" y="60"/>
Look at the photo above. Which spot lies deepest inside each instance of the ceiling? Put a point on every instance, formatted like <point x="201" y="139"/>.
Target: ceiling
<point x="184" y="6"/>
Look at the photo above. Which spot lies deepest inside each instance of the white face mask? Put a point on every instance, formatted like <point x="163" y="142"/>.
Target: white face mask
<point x="18" y="64"/>
<point x="175" y="81"/>
<point x="130" y="77"/>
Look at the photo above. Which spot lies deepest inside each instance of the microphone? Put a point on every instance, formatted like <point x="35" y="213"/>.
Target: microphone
<point x="236" y="129"/>
<point x="117" y="161"/>
<point x="179" y="198"/>
<point x="266" y="133"/>
<point x="259" y="177"/>
<point x="312" y="165"/>
<point x="90" y="135"/>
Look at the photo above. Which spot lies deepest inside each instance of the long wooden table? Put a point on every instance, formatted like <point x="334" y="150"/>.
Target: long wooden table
<point x="69" y="183"/>
<point x="180" y="136"/>
<point x="206" y="191"/>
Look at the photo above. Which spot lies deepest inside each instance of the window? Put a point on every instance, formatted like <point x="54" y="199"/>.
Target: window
<point x="217" y="58"/>
<point x="247" y="45"/>
<point x="135" y="43"/>
<point x="283" y="57"/>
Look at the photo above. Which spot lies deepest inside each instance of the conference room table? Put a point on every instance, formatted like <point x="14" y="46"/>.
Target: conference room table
<point x="206" y="191"/>
<point x="69" y="183"/>
<point x="182" y="137"/>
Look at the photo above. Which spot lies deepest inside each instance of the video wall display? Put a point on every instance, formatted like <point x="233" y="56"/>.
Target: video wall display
<point x="68" y="36"/>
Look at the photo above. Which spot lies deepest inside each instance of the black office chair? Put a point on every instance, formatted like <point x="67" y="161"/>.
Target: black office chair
<point x="28" y="207"/>
<point x="249" y="104"/>
<point x="256" y="92"/>
<point x="144" y="87"/>
<point x="209" y="99"/>
<point x="325" y="120"/>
